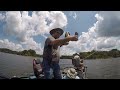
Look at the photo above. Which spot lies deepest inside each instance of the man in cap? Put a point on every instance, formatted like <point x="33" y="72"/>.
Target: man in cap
<point x="51" y="53"/>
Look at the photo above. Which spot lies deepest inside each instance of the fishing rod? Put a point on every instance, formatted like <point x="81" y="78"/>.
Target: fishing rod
<point x="89" y="55"/>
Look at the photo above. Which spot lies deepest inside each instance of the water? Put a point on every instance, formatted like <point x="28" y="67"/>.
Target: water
<point x="103" y="69"/>
<point x="15" y="65"/>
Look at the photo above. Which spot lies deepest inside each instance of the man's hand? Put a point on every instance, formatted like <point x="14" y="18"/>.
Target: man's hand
<point x="74" y="38"/>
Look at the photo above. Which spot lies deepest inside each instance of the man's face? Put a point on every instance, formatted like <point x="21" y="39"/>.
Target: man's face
<point x="57" y="34"/>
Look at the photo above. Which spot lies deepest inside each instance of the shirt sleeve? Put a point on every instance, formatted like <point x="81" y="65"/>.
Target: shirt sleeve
<point x="49" y="39"/>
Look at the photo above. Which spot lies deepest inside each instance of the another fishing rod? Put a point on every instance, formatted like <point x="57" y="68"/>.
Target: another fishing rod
<point x="89" y="55"/>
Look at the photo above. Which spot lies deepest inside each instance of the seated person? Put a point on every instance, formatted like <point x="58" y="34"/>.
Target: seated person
<point x="78" y="64"/>
<point x="37" y="68"/>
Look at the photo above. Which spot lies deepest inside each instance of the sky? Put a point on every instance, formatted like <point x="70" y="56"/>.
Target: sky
<point x="24" y="30"/>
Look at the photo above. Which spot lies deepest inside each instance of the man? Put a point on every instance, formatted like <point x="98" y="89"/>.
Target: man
<point x="51" y="53"/>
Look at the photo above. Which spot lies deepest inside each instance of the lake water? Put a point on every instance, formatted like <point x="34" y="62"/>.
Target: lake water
<point x="15" y="65"/>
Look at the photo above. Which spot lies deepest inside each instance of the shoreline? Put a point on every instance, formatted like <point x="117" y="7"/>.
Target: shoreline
<point x="62" y="57"/>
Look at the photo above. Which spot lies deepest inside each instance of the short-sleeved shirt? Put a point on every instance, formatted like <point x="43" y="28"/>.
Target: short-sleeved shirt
<point x="51" y="52"/>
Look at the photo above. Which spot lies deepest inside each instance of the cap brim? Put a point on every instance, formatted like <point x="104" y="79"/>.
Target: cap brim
<point x="56" y="29"/>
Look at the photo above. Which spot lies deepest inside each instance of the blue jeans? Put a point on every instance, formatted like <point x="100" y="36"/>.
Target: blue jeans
<point x="55" y="67"/>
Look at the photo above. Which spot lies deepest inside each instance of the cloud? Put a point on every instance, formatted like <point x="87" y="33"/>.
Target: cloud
<point x="104" y="35"/>
<point x="105" y="43"/>
<point x="23" y="27"/>
<point x="10" y="45"/>
<point x="107" y="30"/>
<point x="108" y="24"/>
<point x="31" y="44"/>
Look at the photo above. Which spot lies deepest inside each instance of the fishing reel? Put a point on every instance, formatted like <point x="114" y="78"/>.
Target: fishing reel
<point x="67" y="34"/>
<point x="76" y="33"/>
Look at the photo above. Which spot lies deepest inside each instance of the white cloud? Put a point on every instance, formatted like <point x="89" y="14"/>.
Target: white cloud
<point x="31" y="44"/>
<point x="10" y="45"/>
<point x="104" y="35"/>
<point x="108" y="23"/>
<point x="105" y="43"/>
<point x="66" y="51"/>
<point x="23" y="27"/>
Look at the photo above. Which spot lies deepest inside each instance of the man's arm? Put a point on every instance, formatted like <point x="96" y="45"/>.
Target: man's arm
<point x="60" y="42"/>
<point x="64" y="44"/>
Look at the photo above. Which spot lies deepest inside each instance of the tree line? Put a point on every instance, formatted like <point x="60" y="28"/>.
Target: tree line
<point x="114" y="53"/>
<point x="29" y="52"/>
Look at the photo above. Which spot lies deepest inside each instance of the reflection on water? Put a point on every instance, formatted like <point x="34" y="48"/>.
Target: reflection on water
<point x="11" y="65"/>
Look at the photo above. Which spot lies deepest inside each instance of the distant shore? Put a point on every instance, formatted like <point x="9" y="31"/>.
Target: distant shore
<point x="67" y="57"/>
<point x="114" y="53"/>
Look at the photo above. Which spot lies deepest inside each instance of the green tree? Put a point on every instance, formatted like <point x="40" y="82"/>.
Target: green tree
<point x="32" y="52"/>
